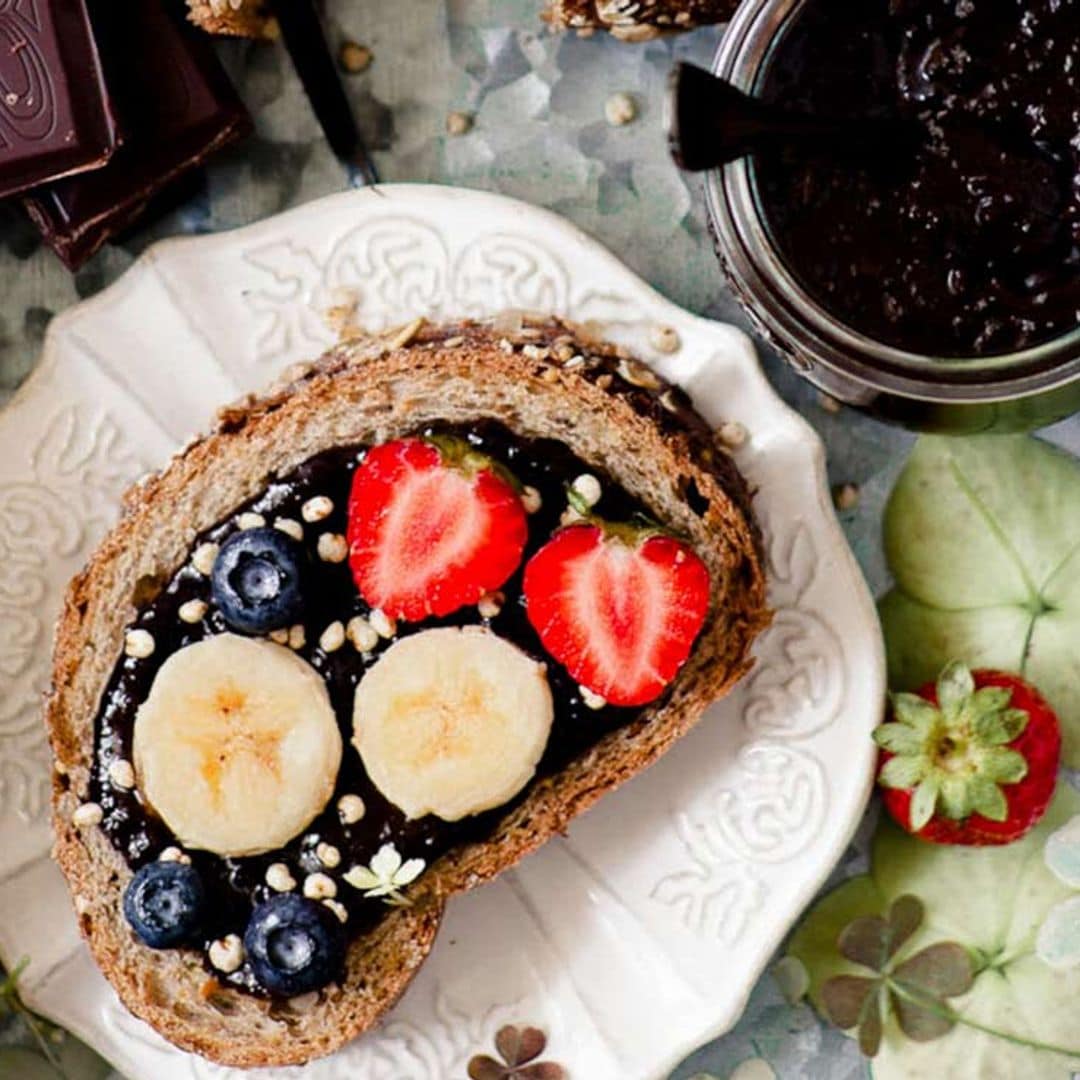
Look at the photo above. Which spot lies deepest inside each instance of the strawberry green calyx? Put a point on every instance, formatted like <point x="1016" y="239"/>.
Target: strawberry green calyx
<point x="953" y="755"/>
<point x="463" y="456"/>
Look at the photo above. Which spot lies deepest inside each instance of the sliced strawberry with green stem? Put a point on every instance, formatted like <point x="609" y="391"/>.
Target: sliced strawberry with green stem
<point x="433" y="526"/>
<point x="618" y="607"/>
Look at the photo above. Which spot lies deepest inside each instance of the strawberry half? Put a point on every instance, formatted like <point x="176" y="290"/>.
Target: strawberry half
<point x="432" y="527"/>
<point x="619" y="608"/>
<point x="970" y="760"/>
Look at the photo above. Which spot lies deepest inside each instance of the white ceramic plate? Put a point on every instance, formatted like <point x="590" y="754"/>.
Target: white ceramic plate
<point x="637" y="937"/>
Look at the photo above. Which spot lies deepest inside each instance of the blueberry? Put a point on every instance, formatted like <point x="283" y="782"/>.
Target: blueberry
<point x="294" y="945"/>
<point x="257" y="580"/>
<point x="164" y="904"/>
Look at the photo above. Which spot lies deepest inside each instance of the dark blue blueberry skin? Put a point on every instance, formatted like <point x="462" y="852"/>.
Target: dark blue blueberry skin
<point x="164" y="903"/>
<point x="257" y="580"/>
<point x="294" y="945"/>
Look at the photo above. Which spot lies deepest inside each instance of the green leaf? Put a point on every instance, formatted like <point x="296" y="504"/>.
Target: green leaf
<point x="941" y="970"/>
<point x="1004" y="766"/>
<point x="871" y="1027"/>
<point x="990" y="699"/>
<point x="916" y="712"/>
<point x="955" y="686"/>
<point x="844" y="998"/>
<point x="981" y="538"/>
<point x="987" y="799"/>
<point x="792" y="978"/>
<point x="1062" y="853"/>
<point x="920" y="1022"/>
<point x="955" y="799"/>
<point x="1058" y="940"/>
<point x="923" y="802"/>
<point x="865" y="941"/>
<point x="902" y="772"/>
<point x="905" y="917"/>
<point x="898" y="738"/>
<point x="993" y="902"/>
<point x="999" y="728"/>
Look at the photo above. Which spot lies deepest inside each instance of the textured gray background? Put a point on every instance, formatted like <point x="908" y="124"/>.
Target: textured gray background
<point x="539" y="135"/>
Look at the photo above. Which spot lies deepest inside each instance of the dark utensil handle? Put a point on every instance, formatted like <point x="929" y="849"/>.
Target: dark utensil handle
<point x="711" y="122"/>
<point x="302" y="31"/>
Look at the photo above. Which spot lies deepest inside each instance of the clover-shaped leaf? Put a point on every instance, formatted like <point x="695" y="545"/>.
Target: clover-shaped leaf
<point x="518" y="1047"/>
<point x="914" y="989"/>
<point x="965" y="991"/>
<point x="981" y="537"/>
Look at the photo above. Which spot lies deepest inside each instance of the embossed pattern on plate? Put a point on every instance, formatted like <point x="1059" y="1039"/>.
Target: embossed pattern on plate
<point x="638" y="936"/>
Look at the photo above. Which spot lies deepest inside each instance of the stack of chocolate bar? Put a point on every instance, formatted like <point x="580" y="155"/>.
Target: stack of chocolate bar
<point x="107" y="108"/>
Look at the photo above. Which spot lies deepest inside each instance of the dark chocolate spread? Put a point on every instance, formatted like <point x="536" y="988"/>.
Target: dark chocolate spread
<point x="235" y="885"/>
<point x="964" y="241"/>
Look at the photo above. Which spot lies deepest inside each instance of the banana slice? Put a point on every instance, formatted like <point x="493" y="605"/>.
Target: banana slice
<point x="452" y="721"/>
<point x="236" y="746"/>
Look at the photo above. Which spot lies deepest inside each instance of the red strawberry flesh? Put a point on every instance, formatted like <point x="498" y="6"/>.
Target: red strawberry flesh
<point x="427" y="537"/>
<point x="620" y="614"/>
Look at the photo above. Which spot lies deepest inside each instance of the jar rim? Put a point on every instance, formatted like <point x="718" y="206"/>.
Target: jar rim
<point x="787" y="312"/>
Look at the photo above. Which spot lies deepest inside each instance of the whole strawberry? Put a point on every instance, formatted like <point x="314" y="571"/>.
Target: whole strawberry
<point x="970" y="760"/>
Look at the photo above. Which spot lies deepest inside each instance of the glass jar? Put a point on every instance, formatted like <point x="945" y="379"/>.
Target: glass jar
<point x="1013" y="392"/>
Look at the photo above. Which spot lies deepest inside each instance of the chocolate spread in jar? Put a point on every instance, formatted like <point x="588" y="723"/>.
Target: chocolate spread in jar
<point x="964" y="242"/>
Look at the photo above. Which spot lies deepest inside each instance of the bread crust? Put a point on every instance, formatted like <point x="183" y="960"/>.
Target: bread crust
<point x="370" y="390"/>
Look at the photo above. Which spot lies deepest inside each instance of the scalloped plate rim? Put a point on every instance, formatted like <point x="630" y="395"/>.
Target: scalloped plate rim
<point x="798" y="431"/>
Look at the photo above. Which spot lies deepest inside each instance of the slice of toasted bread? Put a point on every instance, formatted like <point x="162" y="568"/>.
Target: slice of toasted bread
<point x="636" y="20"/>
<point x="540" y="379"/>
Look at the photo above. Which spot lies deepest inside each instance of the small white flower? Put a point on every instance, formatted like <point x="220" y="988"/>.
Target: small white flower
<point x="319" y="886"/>
<point x="337" y="908"/>
<point x="279" y="878"/>
<point x="587" y="488"/>
<point x="250" y="520"/>
<point x="176" y="855"/>
<point x="386" y="874"/>
<point x="122" y="774"/>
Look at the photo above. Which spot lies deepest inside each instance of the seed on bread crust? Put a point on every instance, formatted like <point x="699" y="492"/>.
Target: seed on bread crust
<point x="337" y="908"/>
<point x="122" y="774"/>
<point x="203" y="558"/>
<point x="227" y="953"/>
<point x="290" y="527"/>
<point x="279" y="878"/>
<point x="139" y="644"/>
<point x="327" y="854"/>
<point x="192" y="611"/>
<point x="319" y="887"/>
<point x="317" y="508"/>
<point x="333" y="637"/>
<point x="351" y="809"/>
<point x="332" y="547"/>
<point x="362" y="634"/>
<point x="382" y="624"/>
<point x="87" y="815"/>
